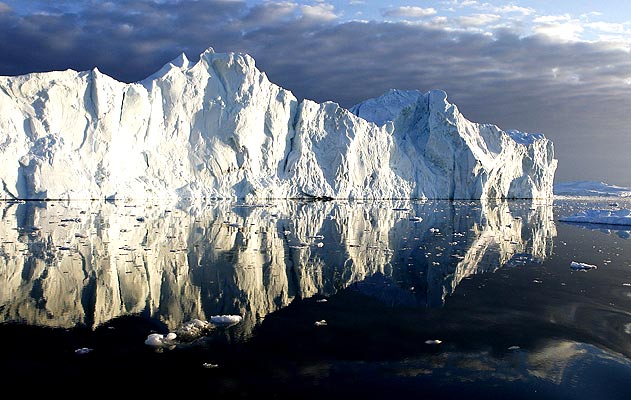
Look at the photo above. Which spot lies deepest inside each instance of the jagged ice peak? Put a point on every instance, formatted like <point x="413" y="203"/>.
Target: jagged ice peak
<point x="218" y="128"/>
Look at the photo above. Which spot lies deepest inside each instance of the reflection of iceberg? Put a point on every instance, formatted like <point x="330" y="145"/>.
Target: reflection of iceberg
<point x="69" y="264"/>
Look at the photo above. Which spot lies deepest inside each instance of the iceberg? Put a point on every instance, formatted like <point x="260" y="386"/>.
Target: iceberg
<point x="219" y="129"/>
<point x="590" y="189"/>
<point x="600" y="216"/>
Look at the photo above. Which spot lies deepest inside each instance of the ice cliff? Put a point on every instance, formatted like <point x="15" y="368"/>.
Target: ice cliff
<point x="218" y="128"/>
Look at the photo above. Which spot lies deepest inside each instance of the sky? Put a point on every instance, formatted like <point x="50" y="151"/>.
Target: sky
<point x="561" y="68"/>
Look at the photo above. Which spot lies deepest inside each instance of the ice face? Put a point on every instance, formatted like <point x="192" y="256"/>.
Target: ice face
<point x="218" y="128"/>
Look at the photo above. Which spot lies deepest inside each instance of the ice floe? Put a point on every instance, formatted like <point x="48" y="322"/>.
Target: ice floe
<point x="600" y="216"/>
<point x="579" y="266"/>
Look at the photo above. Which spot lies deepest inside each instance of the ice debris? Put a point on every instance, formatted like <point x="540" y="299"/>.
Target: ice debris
<point x="83" y="350"/>
<point x="579" y="266"/>
<point x="190" y="331"/>
<point x="225" y="320"/>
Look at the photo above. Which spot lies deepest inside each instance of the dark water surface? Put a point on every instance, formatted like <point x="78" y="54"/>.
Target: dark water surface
<point x="390" y="299"/>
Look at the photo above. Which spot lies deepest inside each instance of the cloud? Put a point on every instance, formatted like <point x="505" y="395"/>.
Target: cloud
<point x="321" y="12"/>
<point x="562" y="31"/>
<point x="511" y="8"/>
<point x="551" y="19"/>
<point x="577" y="93"/>
<point x="409" y="12"/>
<point x="5" y="8"/>
<point x="606" y="27"/>
<point x="477" y="20"/>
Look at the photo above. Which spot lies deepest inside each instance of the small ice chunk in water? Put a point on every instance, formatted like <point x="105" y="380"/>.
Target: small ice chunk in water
<point x="320" y="323"/>
<point x="160" y="341"/>
<point x="83" y="350"/>
<point x="193" y="329"/>
<point x="225" y="320"/>
<point x="514" y="348"/>
<point x="578" y="266"/>
<point x="433" y="341"/>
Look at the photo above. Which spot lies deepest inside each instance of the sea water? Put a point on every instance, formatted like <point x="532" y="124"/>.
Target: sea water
<point x="324" y="298"/>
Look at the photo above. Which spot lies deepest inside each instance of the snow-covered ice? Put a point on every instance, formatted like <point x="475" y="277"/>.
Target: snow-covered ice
<point x="600" y="216"/>
<point x="590" y="189"/>
<point x="225" y="320"/>
<point x="218" y="128"/>
<point x="161" y="341"/>
<point x="190" y="331"/>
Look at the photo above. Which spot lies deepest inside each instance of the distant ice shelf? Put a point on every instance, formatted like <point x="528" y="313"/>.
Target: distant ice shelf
<point x="590" y="189"/>
<point x="597" y="216"/>
<point x="217" y="128"/>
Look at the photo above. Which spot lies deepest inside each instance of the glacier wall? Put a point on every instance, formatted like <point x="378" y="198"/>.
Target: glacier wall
<point x="218" y="128"/>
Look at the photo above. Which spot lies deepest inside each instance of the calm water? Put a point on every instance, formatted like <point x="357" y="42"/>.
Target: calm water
<point x="432" y="299"/>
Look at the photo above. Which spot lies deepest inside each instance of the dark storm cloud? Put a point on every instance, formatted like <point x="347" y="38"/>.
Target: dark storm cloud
<point x="578" y="94"/>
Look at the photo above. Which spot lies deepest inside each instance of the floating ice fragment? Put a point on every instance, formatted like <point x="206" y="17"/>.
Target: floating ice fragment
<point x="514" y="348"/>
<point x="609" y="217"/>
<point x="577" y="266"/>
<point x="83" y="350"/>
<point x="434" y="230"/>
<point x="210" y="365"/>
<point x="433" y="341"/>
<point x="320" y="323"/>
<point x="415" y="219"/>
<point x="321" y="300"/>
<point x="160" y="341"/>
<point x="193" y="329"/>
<point x="225" y="320"/>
